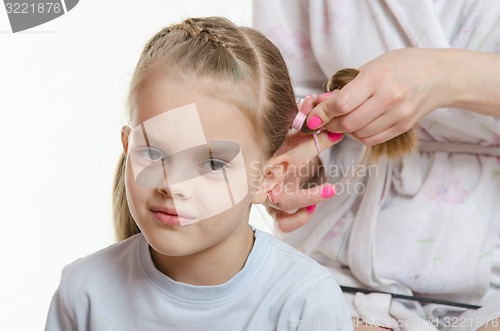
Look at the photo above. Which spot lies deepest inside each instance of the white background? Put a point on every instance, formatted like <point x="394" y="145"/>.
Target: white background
<point x="62" y="99"/>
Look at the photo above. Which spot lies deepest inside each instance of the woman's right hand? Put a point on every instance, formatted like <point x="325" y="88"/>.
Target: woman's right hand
<point x="397" y="89"/>
<point x="388" y="97"/>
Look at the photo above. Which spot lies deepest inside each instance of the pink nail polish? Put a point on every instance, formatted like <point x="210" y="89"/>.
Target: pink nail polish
<point x="310" y="209"/>
<point x="314" y="122"/>
<point x="334" y="136"/>
<point x="328" y="191"/>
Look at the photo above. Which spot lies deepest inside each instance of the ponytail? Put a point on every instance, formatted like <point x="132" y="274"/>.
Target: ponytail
<point x="125" y="226"/>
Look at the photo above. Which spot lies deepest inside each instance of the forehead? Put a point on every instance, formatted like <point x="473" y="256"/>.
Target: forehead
<point x="182" y="109"/>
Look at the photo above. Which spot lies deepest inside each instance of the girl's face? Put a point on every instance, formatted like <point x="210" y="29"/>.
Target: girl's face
<point x="194" y="166"/>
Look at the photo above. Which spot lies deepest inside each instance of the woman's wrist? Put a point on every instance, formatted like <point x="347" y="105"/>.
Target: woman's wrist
<point x="472" y="80"/>
<point x="456" y="77"/>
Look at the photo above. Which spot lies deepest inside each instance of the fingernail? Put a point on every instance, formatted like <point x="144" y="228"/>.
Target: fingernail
<point x="310" y="209"/>
<point x="334" y="136"/>
<point x="328" y="191"/>
<point x="314" y="122"/>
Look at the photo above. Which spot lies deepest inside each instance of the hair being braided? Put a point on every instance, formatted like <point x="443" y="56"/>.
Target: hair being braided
<point x="394" y="148"/>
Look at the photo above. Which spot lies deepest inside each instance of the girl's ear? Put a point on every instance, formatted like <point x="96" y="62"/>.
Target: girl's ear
<point x="125" y="134"/>
<point x="275" y="172"/>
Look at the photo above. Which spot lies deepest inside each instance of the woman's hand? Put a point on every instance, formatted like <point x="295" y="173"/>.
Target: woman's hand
<point x="388" y="97"/>
<point x="294" y="200"/>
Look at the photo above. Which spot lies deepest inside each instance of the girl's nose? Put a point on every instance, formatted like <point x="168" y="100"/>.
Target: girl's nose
<point x="178" y="191"/>
<point x="164" y="190"/>
<point x="174" y="189"/>
<point x="162" y="186"/>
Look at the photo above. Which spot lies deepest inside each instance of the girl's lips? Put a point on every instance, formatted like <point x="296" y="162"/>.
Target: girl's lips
<point x="166" y="218"/>
<point x="170" y="216"/>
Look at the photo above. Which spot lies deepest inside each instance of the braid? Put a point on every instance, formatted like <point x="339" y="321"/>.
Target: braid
<point x="194" y="29"/>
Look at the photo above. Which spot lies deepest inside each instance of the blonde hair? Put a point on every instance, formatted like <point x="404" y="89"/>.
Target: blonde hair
<point x="218" y="56"/>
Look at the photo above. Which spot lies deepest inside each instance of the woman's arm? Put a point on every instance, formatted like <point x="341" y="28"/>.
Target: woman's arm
<point x="474" y="79"/>
<point x="395" y="90"/>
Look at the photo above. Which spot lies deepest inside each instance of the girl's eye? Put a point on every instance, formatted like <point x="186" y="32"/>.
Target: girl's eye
<point x="151" y="153"/>
<point x="213" y="165"/>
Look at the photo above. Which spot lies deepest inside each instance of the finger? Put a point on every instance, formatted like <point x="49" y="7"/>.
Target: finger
<point x="306" y="105"/>
<point x="355" y="93"/>
<point x="307" y="151"/>
<point x="358" y="118"/>
<point x="322" y="97"/>
<point x="290" y="200"/>
<point x="346" y="100"/>
<point x="293" y="139"/>
<point x="289" y="222"/>
<point x="383" y="136"/>
<point x="379" y="125"/>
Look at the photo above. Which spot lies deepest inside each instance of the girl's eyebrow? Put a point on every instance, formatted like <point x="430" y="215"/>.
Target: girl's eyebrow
<point x="149" y="138"/>
<point x="141" y="135"/>
<point x="228" y="149"/>
<point x="225" y="150"/>
<point x="145" y="135"/>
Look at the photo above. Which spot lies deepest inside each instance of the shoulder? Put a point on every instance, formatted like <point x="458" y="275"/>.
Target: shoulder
<point x="320" y="306"/>
<point x="92" y="281"/>
<point x="104" y="266"/>
<point x="114" y="253"/>
<point x="312" y="293"/>
<point x="290" y="266"/>
<point x="292" y="260"/>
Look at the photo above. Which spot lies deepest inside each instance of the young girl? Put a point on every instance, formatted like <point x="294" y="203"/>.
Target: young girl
<point x="210" y="103"/>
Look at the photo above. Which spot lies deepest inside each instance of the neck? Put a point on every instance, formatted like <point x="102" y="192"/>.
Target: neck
<point x="212" y="266"/>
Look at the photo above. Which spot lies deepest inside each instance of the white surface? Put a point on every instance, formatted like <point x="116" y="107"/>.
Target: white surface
<point x="62" y="95"/>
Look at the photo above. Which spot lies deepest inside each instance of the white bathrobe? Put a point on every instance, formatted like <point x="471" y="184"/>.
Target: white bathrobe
<point x="428" y="225"/>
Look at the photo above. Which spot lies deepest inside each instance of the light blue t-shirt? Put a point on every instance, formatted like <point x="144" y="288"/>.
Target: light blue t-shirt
<point x="120" y="289"/>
